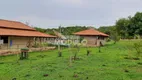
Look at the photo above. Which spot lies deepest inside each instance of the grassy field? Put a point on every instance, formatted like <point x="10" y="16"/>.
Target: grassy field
<point x="110" y="64"/>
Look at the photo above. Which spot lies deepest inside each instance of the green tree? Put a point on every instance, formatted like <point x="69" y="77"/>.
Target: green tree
<point x="130" y="27"/>
<point x="105" y="29"/>
<point x="137" y="23"/>
<point x="40" y="29"/>
<point x="122" y="27"/>
<point x="114" y="35"/>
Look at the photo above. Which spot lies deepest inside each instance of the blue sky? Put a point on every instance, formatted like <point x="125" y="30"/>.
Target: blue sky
<point x="52" y="13"/>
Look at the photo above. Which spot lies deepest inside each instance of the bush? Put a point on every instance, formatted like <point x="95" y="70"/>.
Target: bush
<point x="108" y="40"/>
<point x="130" y="37"/>
<point x="138" y="48"/>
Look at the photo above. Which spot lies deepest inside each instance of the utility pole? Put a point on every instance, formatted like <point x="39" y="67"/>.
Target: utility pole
<point x="59" y="43"/>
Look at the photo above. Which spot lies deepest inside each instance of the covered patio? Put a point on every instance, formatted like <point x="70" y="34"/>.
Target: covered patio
<point x="16" y="35"/>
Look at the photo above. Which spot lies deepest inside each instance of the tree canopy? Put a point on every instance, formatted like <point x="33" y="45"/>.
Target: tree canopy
<point x="64" y="30"/>
<point x="126" y="28"/>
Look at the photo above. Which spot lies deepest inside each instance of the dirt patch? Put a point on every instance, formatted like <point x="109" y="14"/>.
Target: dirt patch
<point x="8" y="52"/>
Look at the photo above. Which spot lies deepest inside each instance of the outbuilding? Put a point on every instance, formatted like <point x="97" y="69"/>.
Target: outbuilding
<point x="93" y="37"/>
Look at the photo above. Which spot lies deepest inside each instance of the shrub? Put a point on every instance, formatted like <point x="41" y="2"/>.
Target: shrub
<point x="108" y="40"/>
<point x="75" y="49"/>
<point x="138" y="48"/>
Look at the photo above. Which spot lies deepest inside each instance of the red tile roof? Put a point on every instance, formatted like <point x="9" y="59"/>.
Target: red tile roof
<point x="91" y="32"/>
<point x="13" y="28"/>
<point x="14" y="32"/>
<point x="14" y="24"/>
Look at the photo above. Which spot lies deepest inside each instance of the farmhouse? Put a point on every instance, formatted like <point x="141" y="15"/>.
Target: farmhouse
<point x="16" y="35"/>
<point x="92" y="37"/>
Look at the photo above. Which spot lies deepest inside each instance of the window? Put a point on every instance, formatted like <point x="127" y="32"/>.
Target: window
<point x="4" y="38"/>
<point x="101" y="37"/>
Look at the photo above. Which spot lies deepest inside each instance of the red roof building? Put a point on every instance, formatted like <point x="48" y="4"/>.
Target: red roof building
<point x="15" y="34"/>
<point x="93" y="37"/>
<point x="91" y="32"/>
<point x="13" y="28"/>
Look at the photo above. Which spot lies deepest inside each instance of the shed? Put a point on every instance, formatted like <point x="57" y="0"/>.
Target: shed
<point x="93" y="37"/>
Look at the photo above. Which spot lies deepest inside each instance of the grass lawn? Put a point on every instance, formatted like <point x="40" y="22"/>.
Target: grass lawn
<point x="110" y="64"/>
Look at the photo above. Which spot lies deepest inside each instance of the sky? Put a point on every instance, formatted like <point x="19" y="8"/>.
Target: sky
<point x="53" y="13"/>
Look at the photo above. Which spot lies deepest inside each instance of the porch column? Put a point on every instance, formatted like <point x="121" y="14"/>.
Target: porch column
<point x="8" y="45"/>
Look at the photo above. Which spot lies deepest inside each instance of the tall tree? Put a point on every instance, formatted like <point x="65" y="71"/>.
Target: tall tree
<point x="137" y="23"/>
<point x="114" y="34"/>
<point x="129" y="27"/>
<point x="122" y="27"/>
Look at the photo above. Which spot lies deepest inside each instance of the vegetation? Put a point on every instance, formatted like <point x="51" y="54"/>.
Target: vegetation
<point x="114" y="35"/>
<point x="74" y="49"/>
<point x="64" y="30"/>
<point x="115" y="62"/>
<point x="126" y="28"/>
<point x="121" y="61"/>
<point x="138" y="48"/>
